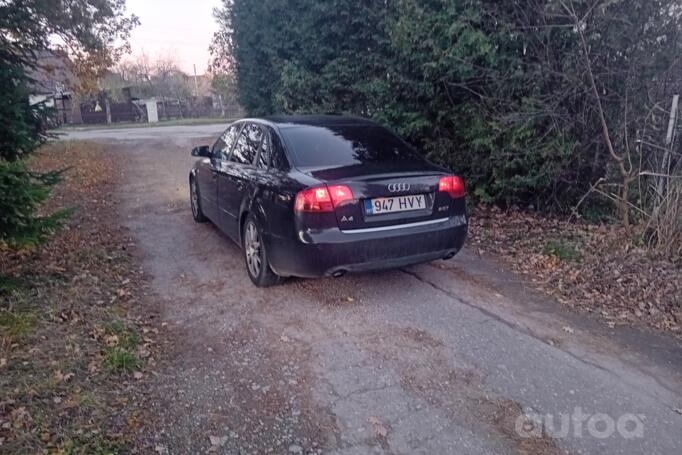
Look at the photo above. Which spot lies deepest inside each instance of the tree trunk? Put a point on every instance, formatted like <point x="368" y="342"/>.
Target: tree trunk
<point x="623" y="204"/>
<point x="107" y="109"/>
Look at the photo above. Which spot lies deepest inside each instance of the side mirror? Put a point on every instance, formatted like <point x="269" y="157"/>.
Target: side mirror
<point x="202" y="150"/>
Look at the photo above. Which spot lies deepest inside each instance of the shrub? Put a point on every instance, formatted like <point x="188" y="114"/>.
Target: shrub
<point x="21" y="194"/>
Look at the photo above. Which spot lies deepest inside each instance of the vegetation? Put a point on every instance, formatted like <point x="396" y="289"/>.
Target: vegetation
<point x="73" y="339"/>
<point x="536" y="103"/>
<point x="21" y="194"/>
<point x="86" y="31"/>
<point x="161" y="77"/>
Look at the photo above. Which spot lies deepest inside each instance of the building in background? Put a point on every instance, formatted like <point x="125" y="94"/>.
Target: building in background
<point x="52" y="84"/>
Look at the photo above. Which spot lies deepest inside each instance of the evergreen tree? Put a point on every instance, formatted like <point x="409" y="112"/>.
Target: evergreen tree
<point x="87" y="30"/>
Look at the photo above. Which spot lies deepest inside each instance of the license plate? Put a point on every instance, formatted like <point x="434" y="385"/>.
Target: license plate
<point x="383" y="205"/>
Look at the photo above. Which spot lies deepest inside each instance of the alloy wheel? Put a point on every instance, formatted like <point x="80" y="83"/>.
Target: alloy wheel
<point x="194" y="199"/>
<point x="252" y="247"/>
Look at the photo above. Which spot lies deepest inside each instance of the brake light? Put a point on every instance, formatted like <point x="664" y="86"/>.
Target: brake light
<point x="322" y="198"/>
<point x="453" y="185"/>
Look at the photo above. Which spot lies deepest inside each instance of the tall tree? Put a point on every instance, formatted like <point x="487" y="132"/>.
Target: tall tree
<point x="533" y="101"/>
<point x="93" y="33"/>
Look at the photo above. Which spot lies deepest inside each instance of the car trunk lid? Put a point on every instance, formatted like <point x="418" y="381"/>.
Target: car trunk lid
<point x="388" y="194"/>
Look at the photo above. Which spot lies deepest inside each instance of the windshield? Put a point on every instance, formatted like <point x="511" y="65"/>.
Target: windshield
<point x="344" y="145"/>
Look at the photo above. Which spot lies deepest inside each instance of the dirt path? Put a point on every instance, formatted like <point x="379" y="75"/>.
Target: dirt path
<point x="438" y="358"/>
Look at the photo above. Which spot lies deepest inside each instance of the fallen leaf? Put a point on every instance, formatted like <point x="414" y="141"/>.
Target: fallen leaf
<point x="111" y="340"/>
<point x="378" y="426"/>
<point x="217" y="441"/>
<point x="138" y="375"/>
<point x="61" y="377"/>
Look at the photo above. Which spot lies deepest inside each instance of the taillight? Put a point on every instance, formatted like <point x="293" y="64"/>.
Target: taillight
<point x="452" y="185"/>
<point x="322" y="198"/>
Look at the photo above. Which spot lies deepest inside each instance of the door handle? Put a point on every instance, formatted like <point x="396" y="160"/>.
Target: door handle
<point x="284" y="198"/>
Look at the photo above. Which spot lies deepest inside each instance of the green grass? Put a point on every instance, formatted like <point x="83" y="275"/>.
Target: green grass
<point x="562" y="249"/>
<point x="17" y="325"/>
<point x="118" y="360"/>
<point x="128" y="338"/>
<point x="121" y="358"/>
<point x="162" y="123"/>
<point x="9" y="284"/>
<point x="95" y="444"/>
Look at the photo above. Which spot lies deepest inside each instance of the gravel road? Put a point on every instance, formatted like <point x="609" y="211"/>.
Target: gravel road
<point x="454" y="356"/>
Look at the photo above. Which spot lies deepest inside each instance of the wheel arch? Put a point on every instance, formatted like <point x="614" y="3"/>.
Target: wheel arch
<point x="254" y="207"/>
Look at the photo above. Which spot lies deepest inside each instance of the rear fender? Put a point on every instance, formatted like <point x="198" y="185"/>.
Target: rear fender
<point x="252" y="204"/>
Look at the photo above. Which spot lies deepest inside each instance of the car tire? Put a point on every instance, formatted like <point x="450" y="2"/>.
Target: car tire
<point x="255" y="255"/>
<point x="195" y="202"/>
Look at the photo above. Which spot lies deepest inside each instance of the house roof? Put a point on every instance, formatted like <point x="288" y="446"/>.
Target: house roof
<point x="51" y="74"/>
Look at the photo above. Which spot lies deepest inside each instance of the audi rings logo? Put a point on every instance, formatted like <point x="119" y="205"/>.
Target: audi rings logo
<point x="398" y="187"/>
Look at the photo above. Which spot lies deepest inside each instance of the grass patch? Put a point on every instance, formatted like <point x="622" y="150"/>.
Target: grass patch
<point x="95" y="444"/>
<point x="18" y="325"/>
<point x="128" y="338"/>
<point x="65" y="331"/>
<point x="9" y="284"/>
<point x="161" y="123"/>
<point x="563" y="250"/>
<point x="118" y="360"/>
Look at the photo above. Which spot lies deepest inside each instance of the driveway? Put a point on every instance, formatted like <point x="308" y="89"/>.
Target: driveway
<point x="454" y="356"/>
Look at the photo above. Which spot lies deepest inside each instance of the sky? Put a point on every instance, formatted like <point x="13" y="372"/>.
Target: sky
<point x="181" y="28"/>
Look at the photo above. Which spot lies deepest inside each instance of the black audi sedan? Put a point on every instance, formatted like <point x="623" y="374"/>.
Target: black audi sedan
<point x="313" y="196"/>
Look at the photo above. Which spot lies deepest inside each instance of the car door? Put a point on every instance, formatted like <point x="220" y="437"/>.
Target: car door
<point x="236" y="177"/>
<point x="207" y="182"/>
<point x="277" y="191"/>
<point x="208" y="176"/>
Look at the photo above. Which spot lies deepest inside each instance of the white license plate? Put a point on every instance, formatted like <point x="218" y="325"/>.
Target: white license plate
<point x="382" y="205"/>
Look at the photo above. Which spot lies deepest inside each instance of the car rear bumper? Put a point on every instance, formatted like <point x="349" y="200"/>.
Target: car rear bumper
<point x="332" y="251"/>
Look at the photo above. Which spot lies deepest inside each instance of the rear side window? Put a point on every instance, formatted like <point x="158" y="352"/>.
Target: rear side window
<point x="344" y="145"/>
<point x="247" y="144"/>
<point x="279" y="159"/>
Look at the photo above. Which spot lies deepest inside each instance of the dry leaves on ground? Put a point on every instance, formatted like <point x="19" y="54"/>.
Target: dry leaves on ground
<point x="594" y="268"/>
<point x="71" y="340"/>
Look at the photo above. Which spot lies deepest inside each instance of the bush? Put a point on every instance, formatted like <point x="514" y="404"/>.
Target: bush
<point x="498" y="91"/>
<point x="21" y="194"/>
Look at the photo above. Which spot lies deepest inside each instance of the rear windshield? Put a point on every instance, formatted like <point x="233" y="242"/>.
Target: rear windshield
<point x="344" y="145"/>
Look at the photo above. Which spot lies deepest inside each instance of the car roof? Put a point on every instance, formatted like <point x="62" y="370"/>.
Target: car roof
<point x="286" y="121"/>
